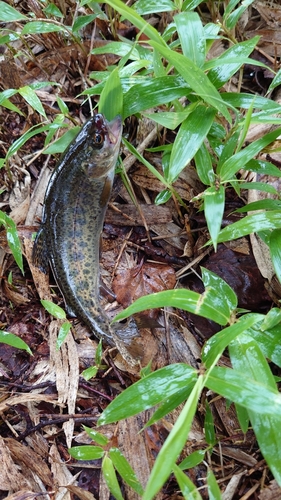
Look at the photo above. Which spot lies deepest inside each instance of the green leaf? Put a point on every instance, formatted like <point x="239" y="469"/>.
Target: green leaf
<point x="12" y="238"/>
<point x="152" y="93"/>
<point x="33" y="100"/>
<point x="251" y="224"/>
<point x="111" y="99"/>
<point x="37" y="129"/>
<point x="148" y="392"/>
<point x="267" y="204"/>
<point x="125" y="470"/>
<point x="82" y="21"/>
<point x="204" y="167"/>
<point x="272" y="319"/>
<point x="187" y="487"/>
<point x="52" y="10"/>
<point x="213" y="487"/>
<point x="189" y="139"/>
<point x="231" y="18"/>
<point x="86" y="452"/>
<point x="275" y="251"/>
<point x="276" y="81"/>
<point x="14" y="341"/>
<point x="224" y="69"/>
<point x="110" y="478"/>
<point x="240" y="159"/>
<point x="192" y="460"/>
<point x="90" y="372"/>
<point x="174" y="444"/>
<point x="215" y="346"/>
<point x="136" y="20"/>
<point x="192" y="36"/>
<point x="63" y="142"/>
<point x="163" y="197"/>
<point x="269" y="342"/>
<point x="258" y="186"/>
<point x="96" y="436"/>
<point x="214" y="209"/>
<point x="243" y="418"/>
<point x="168" y="405"/>
<point x="63" y="332"/>
<point x="8" y="14"/>
<point x="153" y="6"/>
<point x="42" y="27"/>
<point x="247" y="356"/>
<point x="255" y="396"/>
<point x="195" y="78"/>
<point x="53" y="309"/>
<point x="169" y="119"/>
<point x="209" y="427"/>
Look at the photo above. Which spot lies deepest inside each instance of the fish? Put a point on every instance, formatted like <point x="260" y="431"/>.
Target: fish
<point x="74" y="208"/>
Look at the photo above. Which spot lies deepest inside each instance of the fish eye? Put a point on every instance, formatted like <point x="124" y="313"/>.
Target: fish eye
<point x="98" y="139"/>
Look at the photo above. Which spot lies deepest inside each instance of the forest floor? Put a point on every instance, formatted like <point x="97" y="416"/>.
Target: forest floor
<point x="44" y="400"/>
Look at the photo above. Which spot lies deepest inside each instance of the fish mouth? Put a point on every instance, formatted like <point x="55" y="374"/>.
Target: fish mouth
<point x="114" y="128"/>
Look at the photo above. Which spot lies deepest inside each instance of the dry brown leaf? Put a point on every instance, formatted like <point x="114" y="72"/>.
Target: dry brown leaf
<point x="132" y="283"/>
<point x="66" y="363"/>
<point x="62" y="477"/>
<point x="25" y="455"/>
<point x="23" y="495"/>
<point x="11" y="479"/>
<point x="81" y="493"/>
<point x="24" y="398"/>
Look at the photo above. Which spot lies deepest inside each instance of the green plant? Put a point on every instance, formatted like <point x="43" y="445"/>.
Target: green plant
<point x="212" y="127"/>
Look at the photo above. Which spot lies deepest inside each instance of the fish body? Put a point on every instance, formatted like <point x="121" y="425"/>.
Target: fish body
<point x="74" y="208"/>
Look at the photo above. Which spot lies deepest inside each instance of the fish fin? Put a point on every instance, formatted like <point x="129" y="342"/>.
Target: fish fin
<point x="40" y="257"/>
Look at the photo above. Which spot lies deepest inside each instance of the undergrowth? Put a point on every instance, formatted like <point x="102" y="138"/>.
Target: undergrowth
<point x="172" y="70"/>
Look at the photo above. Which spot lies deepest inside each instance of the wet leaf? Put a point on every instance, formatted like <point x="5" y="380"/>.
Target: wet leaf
<point x="189" y="139"/>
<point x="143" y="7"/>
<point x="14" y="341"/>
<point x="215" y="346"/>
<point x="82" y="21"/>
<point x="224" y="69"/>
<point x="90" y="372"/>
<point x="111" y="478"/>
<point x="125" y="470"/>
<point x="153" y="92"/>
<point x="246" y="355"/>
<point x="240" y="159"/>
<point x="251" y="224"/>
<point x="195" y="78"/>
<point x="187" y="487"/>
<point x="204" y="167"/>
<point x="42" y="27"/>
<point x="33" y="100"/>
<point x="272" y="319"/>
<point x="86" y="452"/>
<point x="209" y="428"/>
<point x="192" y="460"/>
<point x="149" y="391"/>
<point x="169" y="119"/>
<point x="12" y="238"/>
<point x="53" y="309"/>
<point x="213" y="487"/>
<point x="253" y="395"/>
<point x="275" y="251"/>
<point x="63" y="142"/>
<point x="96" y="436"/>
<point x="214" y="208"/>
<point x="192" y="36"/>
<point x="9" y="14"/>
<point x="111" y="98"/>
<point x="63" y="332"/>
<point x="174" y="444"/>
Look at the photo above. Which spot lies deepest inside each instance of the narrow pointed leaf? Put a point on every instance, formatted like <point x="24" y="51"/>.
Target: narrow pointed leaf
<point x="9" y="14"/>
<point x="195" y="78"/>
<point x="148" y="392"/>
<point x="213" y="487"/>
<point x="174" y="444"/>
<point x="251" y="224"/>
<point x="192" y="36"/>
<point x="111" y="478"/>
<point x="53" y="309"/>
<point x="86" y="452"/>
<point x="13" y="340"/>
<point x="125" y="470"/>
<point x="214" y="209"/>
<point x="275" y="251"/>
<point x="111" y="98"/>
<point x="191" y="135"/>
<point x="187" y="487"/>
